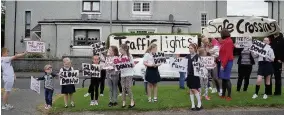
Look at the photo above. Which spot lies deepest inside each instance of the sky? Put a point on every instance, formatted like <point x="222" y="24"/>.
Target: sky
<point x="247" y="8"/>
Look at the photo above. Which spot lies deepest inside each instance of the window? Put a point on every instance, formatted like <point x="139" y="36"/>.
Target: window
<point x="141" y="7"/>
<point x="141" y="31"/>
<point x="86" y="37"/>
<point x="203" y="19"/>
<point x="27" y="24"/>
<point x="91" y="6"/>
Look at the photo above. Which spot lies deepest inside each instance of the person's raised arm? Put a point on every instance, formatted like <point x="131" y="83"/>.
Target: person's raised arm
<point x="19" y="55"/>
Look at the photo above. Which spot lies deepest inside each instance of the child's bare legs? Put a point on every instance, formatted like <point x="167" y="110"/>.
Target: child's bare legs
<point x="155" y="91"/>
<point x="66" y="99"/>
<point x="5" y="97"/>
<point x="149" y="91"/>
<point x="197" y="95"/>
<point x="71" y="99"/>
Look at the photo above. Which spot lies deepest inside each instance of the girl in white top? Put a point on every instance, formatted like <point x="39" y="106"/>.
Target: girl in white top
<point x="152" y="75"/>
<point x="265" y="69"/>
<point x="127" y="76"/>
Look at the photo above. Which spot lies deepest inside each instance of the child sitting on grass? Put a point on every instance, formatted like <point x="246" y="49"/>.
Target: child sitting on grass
<point x="48" y="85"/>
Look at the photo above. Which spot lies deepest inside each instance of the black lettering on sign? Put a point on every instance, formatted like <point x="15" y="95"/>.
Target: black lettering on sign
<point x="70" y="77"/>
<point x="258" y="50"/>
<point x="140" y="43"/>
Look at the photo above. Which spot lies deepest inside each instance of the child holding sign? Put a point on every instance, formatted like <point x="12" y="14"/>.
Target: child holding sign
<point x="112" y="75"/>
<point x="265" y="69"/>
<point x="69" y="89"/>
<point x="126" y="76"/>
<point x="193" y="80"/>
<point x="48" y="85"/>
<point x="204" y="80"/>
<point x="9" y="76"/>
<point x="152" y="75"/>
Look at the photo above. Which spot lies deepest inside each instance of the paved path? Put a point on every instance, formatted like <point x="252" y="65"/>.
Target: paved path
<point x="250" y="111"/>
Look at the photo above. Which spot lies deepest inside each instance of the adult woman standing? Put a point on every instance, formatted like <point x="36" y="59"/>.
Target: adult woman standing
<point x="226" y="58"/>
<point x="152" y="75"/>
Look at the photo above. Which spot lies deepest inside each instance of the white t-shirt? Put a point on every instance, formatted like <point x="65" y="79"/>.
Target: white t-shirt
<point x="128" y="71"/>
<point x="8" y="70"/>
<point x="148" y="58"/>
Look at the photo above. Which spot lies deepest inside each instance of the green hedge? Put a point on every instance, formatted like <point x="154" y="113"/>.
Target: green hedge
<point x="137" y="34"/>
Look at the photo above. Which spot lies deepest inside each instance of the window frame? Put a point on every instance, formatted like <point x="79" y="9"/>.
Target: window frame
<point x="27" y="34"/>
<point x="202" y="21"/>
<point x="84" y="28"/>
<point x="136" y="29"/>
<point x="141" y="12"/>
<point x="91" y="5"/>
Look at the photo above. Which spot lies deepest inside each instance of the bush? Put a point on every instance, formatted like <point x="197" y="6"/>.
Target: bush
<point x="34" y="55"/>
<point x="137" y="34"/>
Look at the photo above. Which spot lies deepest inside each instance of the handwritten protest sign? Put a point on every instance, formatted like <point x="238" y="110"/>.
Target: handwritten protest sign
<point x="172" y="44"/>
<point x="69" y="77"/>
<point x="35" y="47"/>
<point x="99" y="47"/>
<point x="199" y="69"/>
<point x="122" y="63"/>
<point x="179" y="64"/>
<point x="159" y="58"/>
<point x="243" y="42"/>
<point x="35" y="85"/>
<point x="196" y="68"/>
<point x="208" y="62"/>
<point x="259" y="48"/>
<point x="108" y="63"/>
<point x="93" y="70"/>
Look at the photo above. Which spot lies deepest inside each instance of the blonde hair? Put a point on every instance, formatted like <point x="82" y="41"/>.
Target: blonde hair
<point x="67" y="60"/>
<point x="151" y="47"/>
<point x="4" y="50"/>
<point x="47" y="66"/>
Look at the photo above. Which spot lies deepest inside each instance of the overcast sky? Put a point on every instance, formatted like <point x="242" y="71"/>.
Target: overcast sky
<point x="247" y="8"/>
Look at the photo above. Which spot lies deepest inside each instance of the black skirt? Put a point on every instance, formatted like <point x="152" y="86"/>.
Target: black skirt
<point x="193" y="82"/>
<point x="152" y="75"/>
<point x="265" y="68"/>
<point x="68" y="89"/>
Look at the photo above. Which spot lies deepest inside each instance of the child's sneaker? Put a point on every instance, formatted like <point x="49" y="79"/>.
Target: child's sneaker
<point x="265" y="96"/>
<point x="228" y="98"/>
<point x="207" y="98"/>
<point x="96" y="102"/>
<point x="49" y="107"/>
<point x="120" y="94"/>
<point x="7" y="107"/>
<point x="254" y="96"/>
<point x="214" y="90"/>
<point x="149" y="100"/>
<point x="92" y="103"/>
<point x="101" y="95"/>
<point x="72" y="104"/>
<point x="222" y="97"/>
<point x="66" y="106"/>
<point x="87" y="94"/>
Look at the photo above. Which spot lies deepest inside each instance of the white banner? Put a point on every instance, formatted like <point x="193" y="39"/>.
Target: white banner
<point x="35" y="46"/>
<point x="259" y="48"/>
<point x="69" y="77"/>
<point x="172" y="44"/>
<point x="35" y="85"/>
<point x="243" y="42"/>
<point x="238" y="26"/>
<point x="179" y="64"/>
<point x="208" y="62"/>
<point x="159" y="58"/>
<point x="99" y="47"/>
<point x="93" y="70"/>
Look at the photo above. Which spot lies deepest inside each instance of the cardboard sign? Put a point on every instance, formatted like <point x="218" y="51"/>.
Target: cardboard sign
<point x="108" y="63"/>
<point x="239" y="26"/>
<point x="208" y="62"/>
<point x="159" y="58"/>
<point x="93" y="70"/>
<point x="172" y="44"/>
<point x="259" y="48"/>
<point x="122" y="63"/>
<point x="243" y="42"/>
<point x="69" y="77"/>
<point x="179" y="64"/>
<point x="199" y="69"/>
<point x="35" y="47"/>
<point x="35" y="85"/>
<point x="99" y="47"/>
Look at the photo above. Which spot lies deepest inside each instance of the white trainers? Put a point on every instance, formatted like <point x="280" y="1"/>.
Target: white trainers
<point x="265" y="96"/>
<point x="120" y="94"/>
<point x="149" y="100"/>
<point x="7" y="107"/>
<point x="220" y="94"/>
<point x="101" y="95"/>
<point x="96" y="102"/>
<point x="210" y="88"/>
<point x="92" y="103"/>
<point x="87" y="94"/>
<point x="254" y="96"/>
<point x="72" y="104"/>
<point x="214" y="90"/>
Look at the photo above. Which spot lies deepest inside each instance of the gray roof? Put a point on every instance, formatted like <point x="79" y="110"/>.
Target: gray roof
<point x="116" y="21"/>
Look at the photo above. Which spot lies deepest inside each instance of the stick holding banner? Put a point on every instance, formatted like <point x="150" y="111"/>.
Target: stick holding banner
<point x="35" y="85"/>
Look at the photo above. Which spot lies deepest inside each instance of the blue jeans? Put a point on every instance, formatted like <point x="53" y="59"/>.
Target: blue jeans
<point x="181" y="80"/>
<point x="48" y="96"/>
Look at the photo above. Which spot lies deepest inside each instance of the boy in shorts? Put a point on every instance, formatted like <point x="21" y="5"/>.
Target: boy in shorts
<point x="8" y="75"/>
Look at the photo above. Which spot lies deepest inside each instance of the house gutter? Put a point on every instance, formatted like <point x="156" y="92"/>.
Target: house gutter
<point x="117" y="10"/>
<point x="56" y="40"/>
<point x="15" y="23"/>
<point x="216" y="8"/>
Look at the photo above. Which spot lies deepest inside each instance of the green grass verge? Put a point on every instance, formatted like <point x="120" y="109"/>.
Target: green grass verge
<point x="170" y="97"/>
